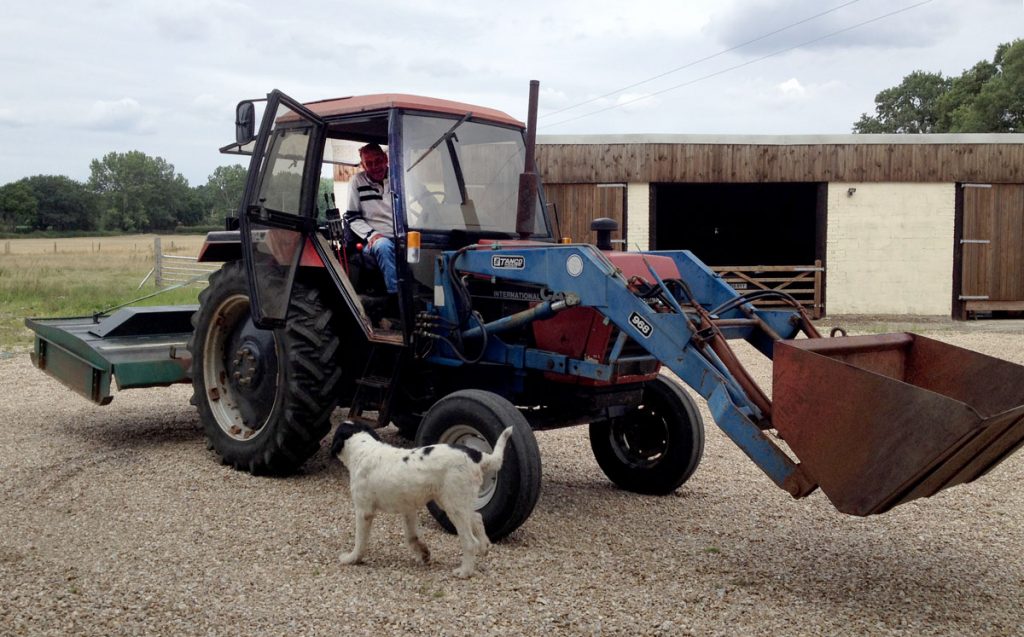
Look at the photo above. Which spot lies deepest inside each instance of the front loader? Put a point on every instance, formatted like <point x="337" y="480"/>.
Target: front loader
<point x="497" y="324"/>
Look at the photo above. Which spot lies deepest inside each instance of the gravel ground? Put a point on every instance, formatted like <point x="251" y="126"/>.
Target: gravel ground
<point x="117" y="520"/>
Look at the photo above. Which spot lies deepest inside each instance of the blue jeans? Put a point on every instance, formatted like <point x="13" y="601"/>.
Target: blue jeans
<point x="383" y="252"/>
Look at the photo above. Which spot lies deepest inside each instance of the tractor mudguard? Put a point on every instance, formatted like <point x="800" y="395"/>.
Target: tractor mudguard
<point x="226" y="245"/>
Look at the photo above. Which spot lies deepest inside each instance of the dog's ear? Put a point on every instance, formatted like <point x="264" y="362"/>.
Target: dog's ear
<point x="344" y="431"/>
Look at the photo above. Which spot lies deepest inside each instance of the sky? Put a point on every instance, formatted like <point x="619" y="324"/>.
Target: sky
<point x="83" y="78"/>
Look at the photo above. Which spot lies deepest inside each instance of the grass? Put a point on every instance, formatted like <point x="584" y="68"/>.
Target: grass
<point x="44" y="278"/>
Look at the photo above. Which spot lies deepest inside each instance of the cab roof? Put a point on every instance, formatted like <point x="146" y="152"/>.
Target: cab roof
<point x="383" y="101"/>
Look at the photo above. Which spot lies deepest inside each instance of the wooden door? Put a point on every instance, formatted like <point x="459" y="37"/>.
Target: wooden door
<point x="576" y="205"/>
<point x="992" y="247"/>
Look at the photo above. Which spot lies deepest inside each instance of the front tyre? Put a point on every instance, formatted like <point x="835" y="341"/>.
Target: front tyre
<point x="655" y="447"/>
<point x="264" y="396"/>
<point x="475" y="418"/>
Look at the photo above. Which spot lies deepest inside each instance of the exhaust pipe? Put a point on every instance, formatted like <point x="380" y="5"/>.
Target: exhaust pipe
<point x="528" y="180"/>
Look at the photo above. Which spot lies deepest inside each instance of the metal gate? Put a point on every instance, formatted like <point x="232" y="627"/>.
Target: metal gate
<point x="991" y="249"/>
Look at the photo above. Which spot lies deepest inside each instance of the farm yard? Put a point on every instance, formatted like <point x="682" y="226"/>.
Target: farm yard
<point x="439" y="271"/>
<point x="118" y="520"/>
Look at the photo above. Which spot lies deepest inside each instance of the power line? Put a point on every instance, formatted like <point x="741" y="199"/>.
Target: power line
<point x="738" y="66"/>
<point x="703" y="59"/>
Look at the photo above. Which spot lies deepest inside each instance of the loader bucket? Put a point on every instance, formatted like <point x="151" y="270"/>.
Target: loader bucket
<point x="881" y="420"/>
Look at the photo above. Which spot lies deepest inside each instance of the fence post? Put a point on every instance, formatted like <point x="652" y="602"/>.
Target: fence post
<point x="817" y="289"/>
<point x="158" y="263"/>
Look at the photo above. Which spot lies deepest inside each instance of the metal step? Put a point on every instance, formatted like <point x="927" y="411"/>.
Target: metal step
<point x="374" y="382"/>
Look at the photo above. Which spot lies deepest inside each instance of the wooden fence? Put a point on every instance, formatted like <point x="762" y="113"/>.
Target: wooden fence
<point x="802" y="282"/>
<point x="170" y="269"/>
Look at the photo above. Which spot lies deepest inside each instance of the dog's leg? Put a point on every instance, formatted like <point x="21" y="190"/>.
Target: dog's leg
<point x="412" y="537"/>
<point x="364" y="520"/>
<point x="463" y="522"/>
<point x="481" y="534"/>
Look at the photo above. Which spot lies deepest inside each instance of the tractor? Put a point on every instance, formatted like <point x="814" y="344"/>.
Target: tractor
<point x="499" y="321"/>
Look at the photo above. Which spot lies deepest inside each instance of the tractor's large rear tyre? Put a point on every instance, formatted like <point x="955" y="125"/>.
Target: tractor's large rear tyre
<point x="264" y="397"/>
<point x="475" y="418"/>
<point x="655" y="447"/>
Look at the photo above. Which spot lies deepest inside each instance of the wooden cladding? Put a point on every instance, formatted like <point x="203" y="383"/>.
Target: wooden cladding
<point x="718" y="163"/>
<point x="579" y="204"/>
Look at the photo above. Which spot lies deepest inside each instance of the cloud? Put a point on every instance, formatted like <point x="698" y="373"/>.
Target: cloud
<point x="123" y="115"/>
<point x="791" y="88"/>
<point x="185" y="65"/>
<point x="765" y="26"/>
<point x="439" y="68"/>
<point x="551" y="99"/>
<point x="208" y="104"/>
<point x="793" y="91"/>
<point x="182" y="28"/>
<point x="633" y="102"/>
<point x="9" y="118"/>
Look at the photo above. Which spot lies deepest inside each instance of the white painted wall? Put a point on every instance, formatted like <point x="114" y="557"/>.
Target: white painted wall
<point x="890" y="248"/>
<point x="638" y="216"/>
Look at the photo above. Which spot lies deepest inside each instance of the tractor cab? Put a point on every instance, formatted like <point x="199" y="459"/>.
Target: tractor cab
<point x="453" y="176"/>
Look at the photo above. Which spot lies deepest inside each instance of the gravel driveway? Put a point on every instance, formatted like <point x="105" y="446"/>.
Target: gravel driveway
<point x="117" y="520"/>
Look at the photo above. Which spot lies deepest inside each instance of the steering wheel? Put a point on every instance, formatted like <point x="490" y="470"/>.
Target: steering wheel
<point x="427" y="204"/>
<point x="433" y="198"/>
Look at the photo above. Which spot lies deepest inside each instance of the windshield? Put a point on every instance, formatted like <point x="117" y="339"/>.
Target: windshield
<point x="468" y="181"/>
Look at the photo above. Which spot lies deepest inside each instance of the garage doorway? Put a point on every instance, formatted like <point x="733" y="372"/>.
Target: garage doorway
<point x="764" y="235"/>
<point x="741" y="224"/>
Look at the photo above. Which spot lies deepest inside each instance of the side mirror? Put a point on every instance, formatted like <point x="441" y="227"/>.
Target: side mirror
<point x="245" y="122"/>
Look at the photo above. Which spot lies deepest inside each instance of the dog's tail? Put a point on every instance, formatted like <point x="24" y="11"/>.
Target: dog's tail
<point x="492" y="461"/>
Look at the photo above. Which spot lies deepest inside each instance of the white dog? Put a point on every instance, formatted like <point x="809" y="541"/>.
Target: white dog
<point x="393" y="480"/>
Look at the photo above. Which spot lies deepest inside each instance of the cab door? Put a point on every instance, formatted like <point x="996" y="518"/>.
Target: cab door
<point x="278" y="212"/>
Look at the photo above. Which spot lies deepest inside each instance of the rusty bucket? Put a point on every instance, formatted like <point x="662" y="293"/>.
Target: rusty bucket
<point x="881" y="420"/>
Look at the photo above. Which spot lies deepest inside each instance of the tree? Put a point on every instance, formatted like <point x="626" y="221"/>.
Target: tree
<point x="18" y="206"/>
<point x="998" y="106"/>
<point x="986" y="98"/>
<point x="911" y="107"/>
<point x="139" y="193"/>
<point x="223" y="192"/>
<point x="325" y="194"/>
<point x="64" y="204"/>
<point x="955" y="102"/>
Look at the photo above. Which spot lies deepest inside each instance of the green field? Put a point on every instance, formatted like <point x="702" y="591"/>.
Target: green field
<point x="78" y="277"/>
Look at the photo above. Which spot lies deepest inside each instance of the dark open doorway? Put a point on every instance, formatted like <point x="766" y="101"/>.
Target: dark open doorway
<point x="741" y="224"/>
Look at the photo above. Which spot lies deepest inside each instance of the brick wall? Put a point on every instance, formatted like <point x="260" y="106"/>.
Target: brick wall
<point x="890" y="248"/>
<point x="638" y="216"/>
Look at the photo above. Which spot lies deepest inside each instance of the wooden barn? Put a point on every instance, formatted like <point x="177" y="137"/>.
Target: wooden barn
<point x="855" y="224"/>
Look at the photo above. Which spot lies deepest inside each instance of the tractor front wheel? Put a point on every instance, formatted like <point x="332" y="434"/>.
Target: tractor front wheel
<point x="656" y="446"/>
<point x="264" y="396"/>
<point x="475" y="418"/>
